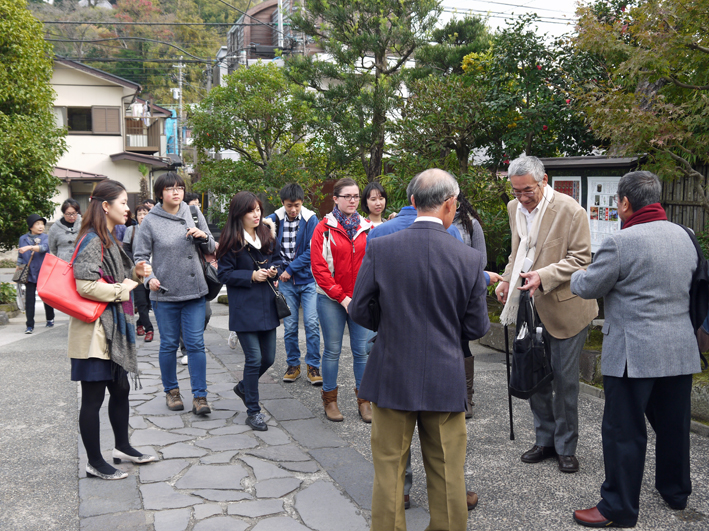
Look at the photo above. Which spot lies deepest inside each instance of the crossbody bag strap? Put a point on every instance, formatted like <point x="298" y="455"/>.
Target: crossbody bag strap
<point x="256" y="265"/>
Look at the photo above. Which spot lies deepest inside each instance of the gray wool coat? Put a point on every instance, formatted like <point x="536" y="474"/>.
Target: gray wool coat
<point x="643" y="274"/>
<point x="175" y="260"/>
<point x="62" y="239"/>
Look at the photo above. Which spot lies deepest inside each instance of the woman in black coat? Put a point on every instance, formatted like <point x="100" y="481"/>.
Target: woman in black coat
<point x="249" y="257"/>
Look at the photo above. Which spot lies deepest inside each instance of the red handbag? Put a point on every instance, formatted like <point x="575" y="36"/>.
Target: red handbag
<point x="56" y="286"/>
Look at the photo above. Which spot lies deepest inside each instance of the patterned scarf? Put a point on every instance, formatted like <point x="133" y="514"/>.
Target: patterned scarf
<point x="350" y="224"/>
<point x="117" y="318"/>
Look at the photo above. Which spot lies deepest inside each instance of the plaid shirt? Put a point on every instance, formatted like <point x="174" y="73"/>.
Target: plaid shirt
<point x="290" y="231"/>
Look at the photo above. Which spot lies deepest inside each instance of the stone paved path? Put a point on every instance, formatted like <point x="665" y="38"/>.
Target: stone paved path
<point x="214" y="472"/>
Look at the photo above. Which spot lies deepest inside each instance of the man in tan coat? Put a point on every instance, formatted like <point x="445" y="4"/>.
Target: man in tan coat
<point x="550" y="241"/>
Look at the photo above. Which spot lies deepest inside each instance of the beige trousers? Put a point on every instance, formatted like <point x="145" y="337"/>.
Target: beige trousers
<point x="443" y="442"/>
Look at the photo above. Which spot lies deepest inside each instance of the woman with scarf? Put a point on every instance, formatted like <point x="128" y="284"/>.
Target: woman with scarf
<point x="338" y="246"/>
<point x="103" y="352"/>
<point x="249" y="257"/>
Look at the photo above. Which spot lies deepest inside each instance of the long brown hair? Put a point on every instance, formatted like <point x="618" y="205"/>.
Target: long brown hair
<point x="232" y="238"/>
<point x="95" y="217"/>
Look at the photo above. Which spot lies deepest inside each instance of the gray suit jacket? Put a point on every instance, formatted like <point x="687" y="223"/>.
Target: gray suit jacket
<point x="644" y="273"/>
<point x="432" y="293"/>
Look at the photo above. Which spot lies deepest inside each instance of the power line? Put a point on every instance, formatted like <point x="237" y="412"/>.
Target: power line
<point x="259" y="23"/>
<point x="531" y="8"/>
<point x="111" y="23"/>
<point x="498" y="14"/>
<point x="129" y="39"/>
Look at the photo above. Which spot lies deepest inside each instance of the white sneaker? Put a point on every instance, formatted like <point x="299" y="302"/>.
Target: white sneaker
<point x="232" y="340"/>
<point x="183" y="360"/>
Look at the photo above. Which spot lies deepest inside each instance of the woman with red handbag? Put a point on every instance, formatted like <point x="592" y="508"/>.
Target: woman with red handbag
<point x="103" y="352"/>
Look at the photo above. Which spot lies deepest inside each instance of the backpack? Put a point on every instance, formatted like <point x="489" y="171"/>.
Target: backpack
<point x="699" y="291"/>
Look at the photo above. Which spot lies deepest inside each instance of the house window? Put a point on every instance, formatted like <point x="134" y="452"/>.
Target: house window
<point x="79" y="119"/>
<point x="89" y="120"/>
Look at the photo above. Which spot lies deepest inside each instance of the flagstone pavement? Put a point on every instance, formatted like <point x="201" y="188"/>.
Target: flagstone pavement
<point x="304" y="473"/>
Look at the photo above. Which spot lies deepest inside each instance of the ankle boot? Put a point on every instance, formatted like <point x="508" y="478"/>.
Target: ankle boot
<point x="329" y="401"/>
<point x="365" y="408"/>
<point x="469" y="376"/>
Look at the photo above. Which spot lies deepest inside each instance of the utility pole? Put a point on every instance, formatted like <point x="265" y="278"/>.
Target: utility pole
<point x="280" y="25"/>
<point x="180" y="66"/>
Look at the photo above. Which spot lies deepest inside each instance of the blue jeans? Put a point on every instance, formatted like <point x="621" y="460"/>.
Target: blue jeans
<point x="259" y="352"/>
<point x="332" y="321"/>
<point x="186" y="317"/>
<point x="302" y="295"/>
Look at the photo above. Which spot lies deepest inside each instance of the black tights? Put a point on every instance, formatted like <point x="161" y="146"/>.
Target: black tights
<point x="92" y="395"/>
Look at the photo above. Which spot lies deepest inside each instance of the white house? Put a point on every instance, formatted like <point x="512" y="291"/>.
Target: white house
<point x="111" y="131"/>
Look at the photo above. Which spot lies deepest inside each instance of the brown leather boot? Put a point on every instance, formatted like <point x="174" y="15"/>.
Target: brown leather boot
<point x="329" y="400"/>
<point x="365" y="408"/>
<point x="469" y="364"/>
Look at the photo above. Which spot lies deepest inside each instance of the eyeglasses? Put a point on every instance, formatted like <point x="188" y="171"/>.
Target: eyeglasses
<point x="71" y="214"/>
<point x="526" y="193"/>
<point x="349" y="197"/>
<point x="174" y="189"/>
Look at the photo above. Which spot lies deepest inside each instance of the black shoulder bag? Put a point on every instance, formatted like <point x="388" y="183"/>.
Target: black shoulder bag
<point x="282" y="308"/>
<point x="210" y="273"/>
<point x="531" y="356"/>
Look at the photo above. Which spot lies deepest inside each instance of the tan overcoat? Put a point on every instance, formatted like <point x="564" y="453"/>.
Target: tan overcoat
<point x="563" y="246"/>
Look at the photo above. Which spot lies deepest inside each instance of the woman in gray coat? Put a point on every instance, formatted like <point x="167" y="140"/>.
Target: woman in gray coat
<point x="467" y="221"/>
<point x="177" y="286"/>
<point x="62" y="234"/>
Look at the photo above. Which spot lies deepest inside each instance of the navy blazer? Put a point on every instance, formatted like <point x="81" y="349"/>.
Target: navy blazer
<point x="431" y="292"/>
<point x="252" y="306"/>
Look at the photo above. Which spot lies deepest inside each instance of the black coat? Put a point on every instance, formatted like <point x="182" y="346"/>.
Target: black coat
<point x="431" y="292"/>
<point x="252" y="306"/>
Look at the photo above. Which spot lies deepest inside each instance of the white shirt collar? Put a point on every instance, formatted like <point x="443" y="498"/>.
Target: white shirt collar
<point x="429" y="218"/>
<point x="256" y="244"/>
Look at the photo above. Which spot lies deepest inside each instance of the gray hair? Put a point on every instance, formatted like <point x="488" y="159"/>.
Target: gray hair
<point x="410" y="187"/>
<point x="642" y="188"/>
<point x="431" y="188"/>
<point x="527" y="165"/>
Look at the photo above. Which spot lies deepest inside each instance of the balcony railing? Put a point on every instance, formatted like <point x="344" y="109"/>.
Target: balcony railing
<point x="142" y="135"/>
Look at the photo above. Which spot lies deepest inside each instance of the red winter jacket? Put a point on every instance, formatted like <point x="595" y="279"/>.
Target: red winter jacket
<point x="335" y="259"/>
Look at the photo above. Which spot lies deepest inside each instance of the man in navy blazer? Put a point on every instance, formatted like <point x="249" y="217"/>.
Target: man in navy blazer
<point x="431" y="292"/>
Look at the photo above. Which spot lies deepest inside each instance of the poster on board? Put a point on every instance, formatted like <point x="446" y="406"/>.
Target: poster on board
<point x="602" y="208"/>
<point x="570" y="186"/>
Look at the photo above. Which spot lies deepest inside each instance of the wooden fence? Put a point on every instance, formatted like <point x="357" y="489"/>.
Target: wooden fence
<point x="679" y="200"/>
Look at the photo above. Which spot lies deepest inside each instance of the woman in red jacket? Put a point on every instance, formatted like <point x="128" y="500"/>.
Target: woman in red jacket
<point x="336" y="253"/>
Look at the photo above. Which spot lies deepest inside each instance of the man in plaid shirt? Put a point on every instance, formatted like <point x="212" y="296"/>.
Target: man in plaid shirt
<point x="295" y="225"/>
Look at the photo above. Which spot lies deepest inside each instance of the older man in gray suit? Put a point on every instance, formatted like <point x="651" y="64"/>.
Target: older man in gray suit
<point x="644" y="273"/>
<point x="431" y="291"/>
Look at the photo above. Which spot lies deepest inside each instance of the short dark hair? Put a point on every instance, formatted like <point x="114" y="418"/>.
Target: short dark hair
<point x="71" y="203"/>
<point x="166" y="180"/>
<point x="191" y="197"/>
<point x="374" y="185"/>
<point x="151" y="201"/>
<point x="642" y="188"/>
<point x="141" y="208"/>
<point x="292" y="192"/>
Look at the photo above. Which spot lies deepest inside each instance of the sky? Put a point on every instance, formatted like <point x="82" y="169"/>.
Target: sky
<point x="557" y="15"/>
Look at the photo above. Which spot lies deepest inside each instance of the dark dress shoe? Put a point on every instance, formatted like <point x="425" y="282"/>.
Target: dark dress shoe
<point x="472" y="499"/>
<point x="568" y="464"/>
<point x="537" y="454"/>
<point x="593" y="518"/>
<point x="407" y="503"/>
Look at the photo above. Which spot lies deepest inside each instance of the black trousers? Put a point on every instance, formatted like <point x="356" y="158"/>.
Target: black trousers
<point x="666" y="403"/>
<point x="30" y="300"/>
<point x="141" y="302"/>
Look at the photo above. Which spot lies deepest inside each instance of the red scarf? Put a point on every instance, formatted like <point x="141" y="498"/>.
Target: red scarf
<point x="653" y="212"/>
